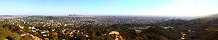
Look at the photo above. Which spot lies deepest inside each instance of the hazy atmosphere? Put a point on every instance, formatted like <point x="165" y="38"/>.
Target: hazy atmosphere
<point x="108" y="20"/>
<point x="109" y="7"/>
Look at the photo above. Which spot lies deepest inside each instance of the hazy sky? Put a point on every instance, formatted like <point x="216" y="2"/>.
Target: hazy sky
<point x="109" y="7"/>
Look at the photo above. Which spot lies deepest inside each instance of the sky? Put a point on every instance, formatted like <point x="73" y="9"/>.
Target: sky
<point x="109" y="7"/>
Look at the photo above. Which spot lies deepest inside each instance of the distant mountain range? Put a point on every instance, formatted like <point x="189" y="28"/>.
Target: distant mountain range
<point x="189" y="18"/>
<point x="12" y="16"/>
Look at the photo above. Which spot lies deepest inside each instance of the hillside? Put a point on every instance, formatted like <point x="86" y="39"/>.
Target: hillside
<point x="98" y="28"/>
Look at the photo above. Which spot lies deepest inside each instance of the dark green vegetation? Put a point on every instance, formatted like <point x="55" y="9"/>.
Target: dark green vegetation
<point x="196" y="29"/>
